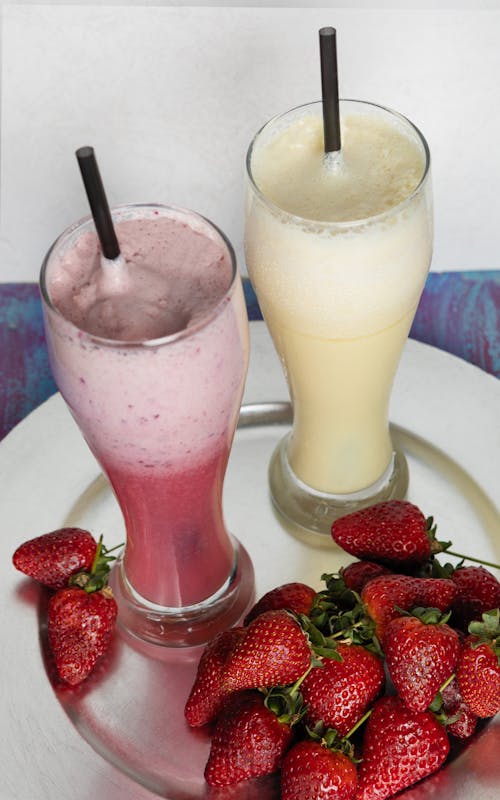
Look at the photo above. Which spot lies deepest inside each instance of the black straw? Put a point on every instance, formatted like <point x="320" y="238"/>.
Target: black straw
<point x="330" y="88"/>
<point x="98" y="202"/>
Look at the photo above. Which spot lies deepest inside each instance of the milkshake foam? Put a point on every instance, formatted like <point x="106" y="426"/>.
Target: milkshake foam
<point x="377" y="168"/>
<point x="154" y="295"/>
<point x="338" y="248"/>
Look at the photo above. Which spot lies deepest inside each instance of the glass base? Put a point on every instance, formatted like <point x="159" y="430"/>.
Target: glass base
<point x="191" y="625"/>
<point x="311" y="511"/>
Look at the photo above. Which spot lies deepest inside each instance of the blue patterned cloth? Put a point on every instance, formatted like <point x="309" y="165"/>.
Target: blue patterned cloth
<point x="459" y="312"/>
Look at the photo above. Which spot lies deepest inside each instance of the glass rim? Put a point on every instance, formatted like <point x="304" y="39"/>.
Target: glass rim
<point x="339" y="224"/>
<point x="184" y="333"/>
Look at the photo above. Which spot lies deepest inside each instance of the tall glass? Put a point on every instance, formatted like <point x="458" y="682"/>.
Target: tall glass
<point x="159" y="414"/>
<point x="338" y="291"/>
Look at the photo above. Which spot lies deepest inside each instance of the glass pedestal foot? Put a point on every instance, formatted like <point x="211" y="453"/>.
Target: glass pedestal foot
<point x="192" y="625"/>
<point x="311" y="511"/>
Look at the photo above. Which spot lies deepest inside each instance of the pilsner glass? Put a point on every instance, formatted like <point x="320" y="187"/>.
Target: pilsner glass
<point x="159" y="414"/>
<point x="338" y="294"/>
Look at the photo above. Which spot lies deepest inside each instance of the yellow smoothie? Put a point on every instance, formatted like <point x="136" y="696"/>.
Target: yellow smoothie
<point x="338" y="250"/>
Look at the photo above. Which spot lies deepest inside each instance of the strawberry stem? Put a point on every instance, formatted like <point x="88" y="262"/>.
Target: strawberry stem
<point x="295" y="688"/>
<point x="358" y="724"/>
<point x="442" y="547"/>
<point x="472" y="558"/>
<point x="447" y="682"/>
<point x="112" y="549"/>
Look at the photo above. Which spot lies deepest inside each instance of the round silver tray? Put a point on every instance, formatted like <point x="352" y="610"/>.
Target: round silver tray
<point x="122" y="733"/>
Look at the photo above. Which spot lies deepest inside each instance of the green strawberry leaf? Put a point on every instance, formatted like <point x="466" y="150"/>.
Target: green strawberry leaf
<point x="487" y="630"/>
<point x="97" y="578"/>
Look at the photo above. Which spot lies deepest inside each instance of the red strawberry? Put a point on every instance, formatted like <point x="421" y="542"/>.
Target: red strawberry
<point x="383" y="596"/>
<point x="80" y="627"/>
<point x="273" y="652"/>
<point x="357" y="574"/>
<point x="421" y="654"/>
<point x="455" y="708"/>
<point x="207" y="693"/>
<point x="53" y="557"/>
<point x="248" y="740"/>
<point x="435" y="593"/>
<point x="400" y="747"/>
<point x="478" y="592"/>
<point x="478" y="671"/>
<point x="339" y="692"/>
<point x="311" y="771"/>
<point x="394" y="532"/>
<point x="296" y="597"/>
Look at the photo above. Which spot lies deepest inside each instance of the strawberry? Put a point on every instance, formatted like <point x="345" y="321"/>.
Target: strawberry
<point x="400" y="747"/>
<point x="248" y="740"/>
<point x="51" y="559"/>
<point x="460" y="721"/>
<point x="394" y="532"/>
<point x="386" y="595"/>
<point x="81" y="619"/>
<point x="421" y="653"/>
<point x="478" y="671"/>
<point x="339" y="692"/>
<point x="80" y="627"/>
<point x="312" y="771"/>
<point x="478" y="592"/>
<point x="274" y="651"/>
<point x="207" y="693"/>
<point x="296" y="597"/>
<point x="357" y="574"/>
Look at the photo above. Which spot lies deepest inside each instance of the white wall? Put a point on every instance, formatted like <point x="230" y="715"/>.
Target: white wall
<point x="170" y="96"/>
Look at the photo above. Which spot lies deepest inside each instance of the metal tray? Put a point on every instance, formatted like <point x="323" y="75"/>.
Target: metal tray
<point x="122" y="733"/>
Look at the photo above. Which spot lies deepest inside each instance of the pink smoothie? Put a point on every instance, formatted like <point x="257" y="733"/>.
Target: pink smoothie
<point x="152" y="363"/>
